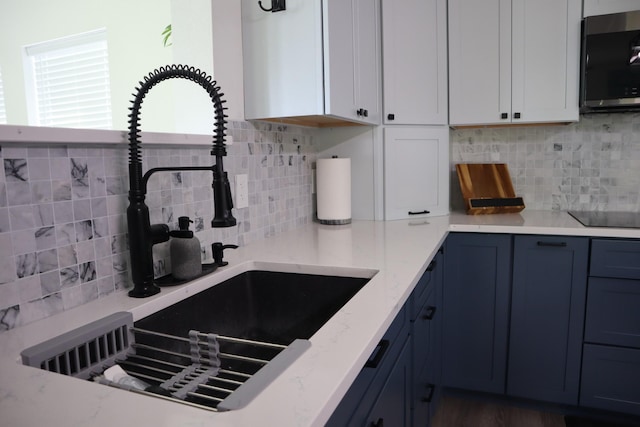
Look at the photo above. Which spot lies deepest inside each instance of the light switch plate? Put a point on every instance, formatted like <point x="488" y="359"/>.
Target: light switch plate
<point x="242" y="191"/>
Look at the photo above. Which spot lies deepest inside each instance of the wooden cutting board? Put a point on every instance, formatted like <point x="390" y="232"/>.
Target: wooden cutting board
<point x="487" y="188"/>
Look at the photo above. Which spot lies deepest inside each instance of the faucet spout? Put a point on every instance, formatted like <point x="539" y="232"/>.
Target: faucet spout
<point x="143" y="235"/>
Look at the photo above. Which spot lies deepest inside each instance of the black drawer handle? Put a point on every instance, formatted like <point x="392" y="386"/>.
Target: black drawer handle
<point x="427" y="399"/>
<point x="432" y="265"/>
<point x="382" y="347"/>
<point x="553" y="244"/>
<point x="430" y="312"/>
<point x="379" y="423"/>
<point x="418" y="213"/>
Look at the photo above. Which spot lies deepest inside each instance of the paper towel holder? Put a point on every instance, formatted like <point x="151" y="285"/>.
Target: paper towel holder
<point x="329" y="215"/>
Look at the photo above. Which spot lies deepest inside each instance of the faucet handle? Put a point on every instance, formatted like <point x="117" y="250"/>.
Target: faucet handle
<point x="218" y="253"/>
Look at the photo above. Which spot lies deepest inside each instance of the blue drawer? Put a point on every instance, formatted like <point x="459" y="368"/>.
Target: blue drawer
<point x="613" y="312"/>
<point x="615" y="258"/>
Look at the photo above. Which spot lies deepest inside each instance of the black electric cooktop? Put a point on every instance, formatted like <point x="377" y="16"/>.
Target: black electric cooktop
<point x="607" y="219"/>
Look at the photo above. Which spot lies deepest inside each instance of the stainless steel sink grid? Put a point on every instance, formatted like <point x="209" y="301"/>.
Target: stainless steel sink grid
<point x="205" y="370"/>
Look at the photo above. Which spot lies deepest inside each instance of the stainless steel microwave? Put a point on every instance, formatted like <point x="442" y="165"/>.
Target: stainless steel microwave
<point x="610" y="63"/>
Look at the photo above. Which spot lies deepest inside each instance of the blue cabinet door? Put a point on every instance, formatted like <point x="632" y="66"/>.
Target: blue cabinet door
<point x="392" y="408"/>
<point x="476" y="297"/>
<point x="547" y="317"/>
<point x="359" y="400"/>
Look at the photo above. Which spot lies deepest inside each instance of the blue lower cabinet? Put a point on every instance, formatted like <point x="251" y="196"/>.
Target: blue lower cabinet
<point x="359" y="401"/>
<point x="515" y="301"/>
<point x="611" y="353"/>
<point x="611" y="378"/>
<point x="476" y="299"/>
<point x="548" y="298"/>
<point x="392" y="408"/>
<point x="398" y="384"/>
<point x="425" y="337"/>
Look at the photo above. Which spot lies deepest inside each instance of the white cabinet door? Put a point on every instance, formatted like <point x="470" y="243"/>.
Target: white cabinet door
<point x="479" y="61"/>
<point x="416" y="171"/>
<point x="316" y="59"/>
<point x="414" y="46"/>
<point x="352" y="59"/>
<point x="368" y="57"/>
<point x="282" y="54"/>
<point x="545" y="53"/>
<point x="340" y="58"/>
<point x="513" y="61"/>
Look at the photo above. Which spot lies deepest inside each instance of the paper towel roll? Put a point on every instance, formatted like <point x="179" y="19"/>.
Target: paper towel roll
<point x="333" y="190"/>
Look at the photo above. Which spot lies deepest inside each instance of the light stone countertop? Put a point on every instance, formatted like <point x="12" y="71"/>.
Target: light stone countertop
<point x="306" y="393"/>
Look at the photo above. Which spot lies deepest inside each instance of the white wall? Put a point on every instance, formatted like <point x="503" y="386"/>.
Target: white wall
<point x="27" y="22"/>
<point x="201" y="29"/>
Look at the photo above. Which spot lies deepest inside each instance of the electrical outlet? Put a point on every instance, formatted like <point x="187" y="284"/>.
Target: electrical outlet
<point x="242" y="191"/>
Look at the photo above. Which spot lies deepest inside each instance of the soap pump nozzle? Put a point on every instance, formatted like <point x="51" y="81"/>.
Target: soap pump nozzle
<point x="183" y="228"/>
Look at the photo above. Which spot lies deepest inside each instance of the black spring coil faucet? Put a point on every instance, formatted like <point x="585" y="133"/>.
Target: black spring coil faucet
<point x="143" y="235"/>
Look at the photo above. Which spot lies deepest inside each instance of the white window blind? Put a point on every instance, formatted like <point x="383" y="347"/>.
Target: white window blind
<point x="68" y="82"/>
<point x="3" y="110"/>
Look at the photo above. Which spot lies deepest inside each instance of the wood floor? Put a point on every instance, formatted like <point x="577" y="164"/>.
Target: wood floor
<point x="458" y="412"/>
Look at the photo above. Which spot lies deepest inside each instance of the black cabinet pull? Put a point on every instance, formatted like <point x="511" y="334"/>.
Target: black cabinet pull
<point x="365" y="113"/>
<point x="431" y="311"/>
<point x="516" y="115"/>
<point x="432" y="265"/>
<point x="504" y="115"/>
<point x="379" y="423"/>
<point x="382" y="347"/>
<point x="418" y="213"/>
<point x="553" y="244"/>
<point x="391" y="116"/>
<point x="427" y="399"/>
<point x="276" y="6"/>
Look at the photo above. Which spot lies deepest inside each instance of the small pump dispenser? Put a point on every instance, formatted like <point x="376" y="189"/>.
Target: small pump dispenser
<point x="184" y="249"/>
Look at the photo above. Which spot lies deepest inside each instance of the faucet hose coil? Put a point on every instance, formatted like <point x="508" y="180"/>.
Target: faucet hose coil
<point x="168" y="72"/>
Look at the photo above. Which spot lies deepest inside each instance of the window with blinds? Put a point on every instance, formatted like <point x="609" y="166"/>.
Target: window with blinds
<point x="3" y="110"/>
<point x="68" y="82"/>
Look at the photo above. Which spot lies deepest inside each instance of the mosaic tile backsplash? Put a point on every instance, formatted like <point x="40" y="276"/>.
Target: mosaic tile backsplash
<point x="62" y="208"/>
<point x="62" y="211"/>
<point x="590" y="165"/>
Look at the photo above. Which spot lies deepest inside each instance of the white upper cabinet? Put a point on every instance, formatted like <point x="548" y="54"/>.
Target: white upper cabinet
<point x="513" y="61"/>
<point x="414" y="52"/>
<point x="317" y="63"/>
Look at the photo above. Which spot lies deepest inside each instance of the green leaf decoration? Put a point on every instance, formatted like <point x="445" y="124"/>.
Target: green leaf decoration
<point x="166" y="34"/>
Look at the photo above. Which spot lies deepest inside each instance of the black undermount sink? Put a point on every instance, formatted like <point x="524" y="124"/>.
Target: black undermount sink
<point x="215" y="350"/>
<point x="271" y="306"/>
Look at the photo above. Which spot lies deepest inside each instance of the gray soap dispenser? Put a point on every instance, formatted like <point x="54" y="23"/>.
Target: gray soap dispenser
<point x="184" y="249"/>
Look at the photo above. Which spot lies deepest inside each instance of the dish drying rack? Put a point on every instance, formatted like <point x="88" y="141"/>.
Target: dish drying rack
<point x="205" y="370"/>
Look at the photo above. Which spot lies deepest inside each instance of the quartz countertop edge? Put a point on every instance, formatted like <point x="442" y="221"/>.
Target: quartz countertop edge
<point x="308" y="391"/>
